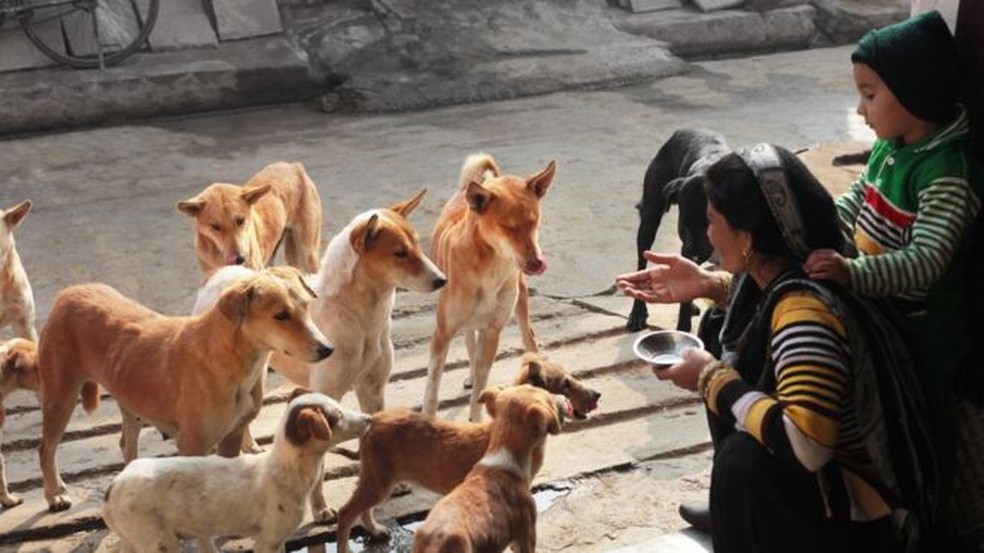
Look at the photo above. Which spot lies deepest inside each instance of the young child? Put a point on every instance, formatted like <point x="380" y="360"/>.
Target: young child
<point x="912" y="206"/>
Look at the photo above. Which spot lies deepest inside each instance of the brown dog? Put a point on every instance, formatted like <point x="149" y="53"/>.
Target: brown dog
<point x="485" y="241"/>
<point x="16" y="296"/>
<point x="18" y="371"/>
<point x="243" y="225"/>
<point x="493" y="507"/>
<point x="194" y="378"/>
<point x="404" y="446"/>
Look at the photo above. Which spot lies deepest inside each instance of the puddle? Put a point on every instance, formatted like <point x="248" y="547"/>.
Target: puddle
<point x="401" y="534"/>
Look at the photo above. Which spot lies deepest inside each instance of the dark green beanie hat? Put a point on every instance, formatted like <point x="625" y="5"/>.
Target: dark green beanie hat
<point x="919" y="62"/>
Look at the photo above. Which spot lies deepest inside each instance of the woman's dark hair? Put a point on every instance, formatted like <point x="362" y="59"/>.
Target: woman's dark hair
<point x="735" y="193"/>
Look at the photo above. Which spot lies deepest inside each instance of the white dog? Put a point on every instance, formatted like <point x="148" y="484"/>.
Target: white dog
<point x="16" y="296"/>
<point x="155" y="502"/>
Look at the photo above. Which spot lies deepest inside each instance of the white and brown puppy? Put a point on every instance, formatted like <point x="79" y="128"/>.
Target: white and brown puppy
<point x="243" y="225"/>
<point x="437" y="454"/>
<point x="493" y="507"/>
<point x="16" y="296"/>
<point x="18" y="371"/>
<point x="154" y="503"/>
<point x="197" y="379"/>
<point x="486" y="240"/>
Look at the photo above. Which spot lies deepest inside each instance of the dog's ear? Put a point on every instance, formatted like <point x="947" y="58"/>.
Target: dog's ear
<point x="671" y="191"/>
<point x="478" y="197"/>
<point x="191" y="206"/>
<point x="532" y="370"/>
<point x="364" y="236"/>
<point x="540" y="182"/>
<point x="234" y="301"/>
<point x="296" y="393"/>
<point x="251" y="195"/>
<point x="306" y="422"/>
<point x="543" y="421"/>
<point x="488" y="397"/>
<point x="405" y="207"/>
<point x="16" y="214"/>
<point x="290" y="274"/>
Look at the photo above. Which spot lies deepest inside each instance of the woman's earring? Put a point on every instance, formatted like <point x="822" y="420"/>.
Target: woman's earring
<point x="744" y="256"/>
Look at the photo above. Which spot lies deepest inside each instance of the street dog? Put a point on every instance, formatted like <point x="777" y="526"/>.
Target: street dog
<point x="405" y="446"/>
<point x="194" y="378"/>
<point x="18" y="371"/>
<point x="486" y="241"/>
<point x="676" y="176"/>
<point x="363" y="265"/>
<point x="244" y="225"/>
<point x="493" y="507"/>
<point x="16" y="296"/>
<point x="154" y="503"/>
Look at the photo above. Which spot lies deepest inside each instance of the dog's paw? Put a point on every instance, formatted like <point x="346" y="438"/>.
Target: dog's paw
<point x="10" y="500"/>
<point x="325" y="516"/>
<point x="467" y="384"/>
<point x="252" y="448"/>
<point x="59" y="503"/>
<point x="378" y="533"/>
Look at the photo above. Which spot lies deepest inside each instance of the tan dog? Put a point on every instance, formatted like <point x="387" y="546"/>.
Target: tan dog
<point x="493" y="507"/>
<point x="155" y="502"/>
<point x="363" y="266"/>
<point x="485" y="240"/>
<point x="244" y="225"/>
<point x="194" y="378"/>
<point x="404" y="446"/>
<point x="16" y="296"/>
<point x="18" y="371"/>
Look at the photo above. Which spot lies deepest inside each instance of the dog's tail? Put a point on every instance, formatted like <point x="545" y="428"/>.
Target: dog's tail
<point x="479" y="168"/>
<point x="347" y="453"/>
<point x="90" y="396"/>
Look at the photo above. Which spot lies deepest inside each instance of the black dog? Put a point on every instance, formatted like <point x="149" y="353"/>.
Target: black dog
<point x="675" y="176"/>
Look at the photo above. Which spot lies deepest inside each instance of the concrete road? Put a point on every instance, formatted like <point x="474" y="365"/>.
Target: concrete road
<point x="104" y="211"/>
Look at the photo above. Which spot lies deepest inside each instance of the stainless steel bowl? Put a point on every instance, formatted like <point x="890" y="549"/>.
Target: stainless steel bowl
<point x="665" y="347"/>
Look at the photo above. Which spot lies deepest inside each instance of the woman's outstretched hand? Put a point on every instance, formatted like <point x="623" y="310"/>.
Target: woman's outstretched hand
<point x="685" y="373"/>
<point x="671" y="279"/>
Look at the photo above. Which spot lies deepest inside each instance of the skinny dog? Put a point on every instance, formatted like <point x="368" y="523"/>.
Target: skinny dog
<point x="676" y="176"/>
<point x="154" y="503"/>
<point x="194" y="378"/>
<point x="404" y="446"/>
<point x="493" y="507"/>
<point x="16" y="296"/>
<point x="486" y="240"/>
<point x="244" y="225"/>
<point x="18" y="371"/>
<point x="356" y="286"/>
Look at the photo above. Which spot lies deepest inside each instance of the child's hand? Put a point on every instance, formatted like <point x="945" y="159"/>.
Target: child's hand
<point x="828" y="265"/>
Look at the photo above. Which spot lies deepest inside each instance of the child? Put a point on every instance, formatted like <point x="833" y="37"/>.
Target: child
<point x="912" y="206"/>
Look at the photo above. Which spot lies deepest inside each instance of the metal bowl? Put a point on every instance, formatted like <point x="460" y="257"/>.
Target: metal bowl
<point x="665" y="347"/>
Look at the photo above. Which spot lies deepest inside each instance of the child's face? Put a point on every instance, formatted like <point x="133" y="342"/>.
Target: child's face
<point x="881" y="110"/>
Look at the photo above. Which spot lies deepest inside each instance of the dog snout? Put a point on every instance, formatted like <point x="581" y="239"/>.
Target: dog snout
<point x="535" y="266"/>
<point x="595" y="395"/>
<point x="322" y="351"/>
<point x="439" y="282"/>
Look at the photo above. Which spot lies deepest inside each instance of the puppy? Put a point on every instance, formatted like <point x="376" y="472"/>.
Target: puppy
<point x="16" y="296"/>
<point x="364" y="264"/>
<point x="676" y="176"/>
<point x="244" y="225"/>
<point x="485" y="240"/>
<point x="154" y="503"/>
<point x="197" y="379"/>
<point x="493" y="507"/>
<point x="18" y="371"/>
<point x="404" y="446"/>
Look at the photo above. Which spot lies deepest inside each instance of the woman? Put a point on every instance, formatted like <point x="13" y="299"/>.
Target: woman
<point x="791" y="469"/>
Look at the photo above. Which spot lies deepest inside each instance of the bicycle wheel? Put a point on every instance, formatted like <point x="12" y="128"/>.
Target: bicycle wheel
<point x="90" y="33"/>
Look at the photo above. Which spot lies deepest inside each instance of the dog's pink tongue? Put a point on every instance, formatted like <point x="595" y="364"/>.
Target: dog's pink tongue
<point x="232" y="260"/>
